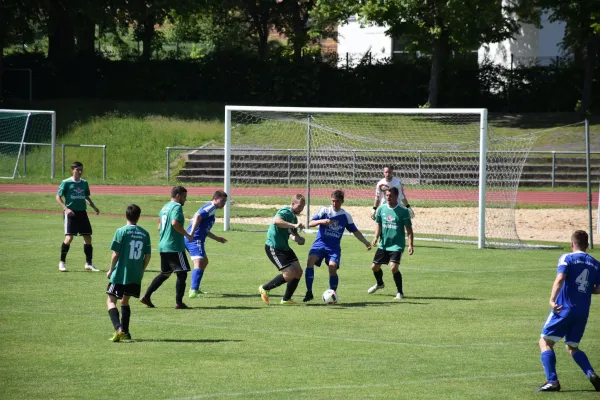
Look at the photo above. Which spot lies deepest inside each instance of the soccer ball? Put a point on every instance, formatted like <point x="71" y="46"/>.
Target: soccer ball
<point x="330" y="297"/>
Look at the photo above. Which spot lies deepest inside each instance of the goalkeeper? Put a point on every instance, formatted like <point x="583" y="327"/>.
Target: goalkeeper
<point x="389" y="181"/>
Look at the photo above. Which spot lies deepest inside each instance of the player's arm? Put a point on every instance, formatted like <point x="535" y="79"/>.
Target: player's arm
<point x="113" y="262"/>
<point x="147" y="260"/>
<point x="297" y="238"/>
<point x="179" y="229"/>
<point x="317" y="222"/>
<point x="596" y="289"/>
<point x="405" y="202"/>
<point x="219" y="239"/>
<point x="411" y="237"/>
<point x="280" y="223"/>
<point x="376" y="236"/>
<point x="60" y="201"/>
<point x="91" y="203"/>
<point x="556" y="286"/>
<point x="358" y="234"/>
<point x="196" y="220"/>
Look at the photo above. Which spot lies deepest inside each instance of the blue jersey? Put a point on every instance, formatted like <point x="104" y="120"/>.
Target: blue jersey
<point x="207" y="213"/>
<point x="582" y="274"/>
<point x="330" y="236"/>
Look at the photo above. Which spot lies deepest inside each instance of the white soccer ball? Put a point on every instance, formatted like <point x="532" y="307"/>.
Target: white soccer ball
<point x="330" y="297"/>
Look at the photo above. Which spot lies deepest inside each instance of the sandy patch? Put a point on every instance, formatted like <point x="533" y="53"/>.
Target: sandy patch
<point x="553" y="225"/>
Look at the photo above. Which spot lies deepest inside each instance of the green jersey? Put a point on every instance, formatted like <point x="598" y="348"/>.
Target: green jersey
<point x="75" y="193"/>
<point x="132" y="243"/>
<point x="170" y="240"/>
<point x="278" y="237"/>
<point x="392" y="221"/>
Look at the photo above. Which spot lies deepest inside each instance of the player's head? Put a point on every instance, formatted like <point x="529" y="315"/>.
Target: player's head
<point x="132" y="213"/>
<point x="391" y="196"/>
<point x="579" y="240"/>
<point x="179" y="194"/>
<point x="77" y="168"/>
<point x="337" y="199"/>
<point x="219" y="198"/>
<point x="388" y="172"/>
<point x="298" y="203"/>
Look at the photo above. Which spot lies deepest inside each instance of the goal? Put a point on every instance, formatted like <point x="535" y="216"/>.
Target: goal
<point x="460" y="178"/>
<point x="27" y="142"/>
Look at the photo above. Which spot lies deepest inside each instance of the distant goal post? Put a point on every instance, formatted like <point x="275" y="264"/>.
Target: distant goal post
<point x="21" y="129"/>
<point x="322" y="136"/>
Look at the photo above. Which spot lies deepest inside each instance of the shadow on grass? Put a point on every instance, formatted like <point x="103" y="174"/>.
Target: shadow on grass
<point x="184" y="340"/>
<point x="201" y="308"/>
<point x="365" y="304"/>
<point x="441" y="298"/>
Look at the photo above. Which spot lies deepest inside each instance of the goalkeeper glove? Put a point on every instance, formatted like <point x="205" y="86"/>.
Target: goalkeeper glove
<point x="374" y="213"/>
<point x="411" y="213"/>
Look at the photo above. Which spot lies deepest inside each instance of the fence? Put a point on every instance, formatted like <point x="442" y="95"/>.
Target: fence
<point x="63" y="152"/>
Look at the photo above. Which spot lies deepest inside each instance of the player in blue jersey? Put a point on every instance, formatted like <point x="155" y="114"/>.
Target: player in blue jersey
<point x="199" y="228"/>
<point x="332" y="222"/>
<point x="578" y="277"/>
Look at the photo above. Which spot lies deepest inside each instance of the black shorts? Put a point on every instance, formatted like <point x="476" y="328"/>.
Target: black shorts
<point x="280" y="258"/>
<point x="386" y="257"/>
<point x="174" y="262"/>
<point x="77" y="223"/>
<point x="131" y="289"/>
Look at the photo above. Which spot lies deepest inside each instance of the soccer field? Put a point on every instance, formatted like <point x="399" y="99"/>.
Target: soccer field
<point x="468" y="328"/>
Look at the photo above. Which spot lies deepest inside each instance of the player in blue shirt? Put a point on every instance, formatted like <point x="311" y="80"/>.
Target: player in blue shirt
<point x="578" y="277"/>
<point x="332" y="222"/>
<point x="199" y="228"/>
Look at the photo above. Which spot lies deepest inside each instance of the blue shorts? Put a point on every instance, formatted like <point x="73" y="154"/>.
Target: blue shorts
<point x="570" y="327"/>
<point x="196" y="249"/>
<point x="328" y="255"/>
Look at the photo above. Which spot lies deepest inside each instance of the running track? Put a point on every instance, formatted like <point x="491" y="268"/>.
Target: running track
<point x="525" y="197"/>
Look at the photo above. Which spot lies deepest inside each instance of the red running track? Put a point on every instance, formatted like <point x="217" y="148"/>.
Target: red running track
<point x="524" y="197"/>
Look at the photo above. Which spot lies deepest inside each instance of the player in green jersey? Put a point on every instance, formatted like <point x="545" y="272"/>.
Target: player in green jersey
<point x="76" y="192"/>
<point x="285" y="226"/>
<point x="171" y="247"/>
<point x="392" y="219"/>
<point x="131" y="254"/>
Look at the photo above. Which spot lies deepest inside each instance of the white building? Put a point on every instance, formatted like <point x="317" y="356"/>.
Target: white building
<point x="529" y="46"/>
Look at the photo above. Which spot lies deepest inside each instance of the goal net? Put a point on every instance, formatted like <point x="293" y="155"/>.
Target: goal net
<point x="27" y="143"/>
<point x="459" y="177"/>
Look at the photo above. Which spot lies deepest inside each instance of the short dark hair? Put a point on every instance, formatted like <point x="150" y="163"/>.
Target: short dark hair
<point x="178" y="190"/>
<point x="219" y="194"/>
<point x="580" y="239"/>
<point x="338" y="194"/>
<point x="298" y="198"/>
<point x="388" y="167"/>
<point x="76" y="164"/>
<point x="133" y="212"/>
<point x="394" y="190"/>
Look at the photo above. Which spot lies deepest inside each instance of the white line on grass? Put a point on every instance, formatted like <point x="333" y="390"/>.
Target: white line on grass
<point x="347" y="387"/>
<point x="295" y="334"/>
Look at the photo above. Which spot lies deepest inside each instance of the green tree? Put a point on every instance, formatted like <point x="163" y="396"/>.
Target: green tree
<point x="435" y="27"/>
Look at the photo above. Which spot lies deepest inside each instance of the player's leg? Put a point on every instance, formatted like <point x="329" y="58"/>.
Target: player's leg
<point x="200" y="260"/>
<point x="309" y="275"/>
<point x="113" y="291"/>
<point x="165" y="273"/>
<point x="381" y="257"/>
<point x="282" y="260"/>
<point x="85" y="230"/>
<point x="126" y="313"/>
<point x="395" y="258"/>
<point x="554" y="329"/>
<point x="572" y="339"/>
<point x="292" y="275"/>
<point x="333" y="263"/>
<point x="181" y="269"/>
<point x="66" y="244"/>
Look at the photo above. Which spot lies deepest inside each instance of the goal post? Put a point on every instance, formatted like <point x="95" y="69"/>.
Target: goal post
<point x="27" y="133"/>
<point x="447" y="159"/>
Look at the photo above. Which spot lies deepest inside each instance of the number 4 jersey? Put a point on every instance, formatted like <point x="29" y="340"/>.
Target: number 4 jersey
<point x="132" y="243"/>
<point x="583" y="273"/>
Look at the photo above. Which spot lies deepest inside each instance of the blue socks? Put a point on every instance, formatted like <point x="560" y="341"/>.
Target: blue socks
<point x="583" y="362"/>
<point x="549" y="362"/>
<point x="309" y="277"/>
<point x="333" y="282"/>
<point x="196" y="278"/>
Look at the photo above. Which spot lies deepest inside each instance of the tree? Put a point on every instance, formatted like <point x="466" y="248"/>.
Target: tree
<point x="435" y="27"/>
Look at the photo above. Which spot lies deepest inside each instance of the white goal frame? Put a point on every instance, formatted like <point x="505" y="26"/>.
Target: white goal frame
<point x="483" y="117"/>
<point x="23" y="141"/>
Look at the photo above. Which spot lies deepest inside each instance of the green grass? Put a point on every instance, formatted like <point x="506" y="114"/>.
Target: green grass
<point x="137" y="133"/>
<point x="467" y="330"/>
